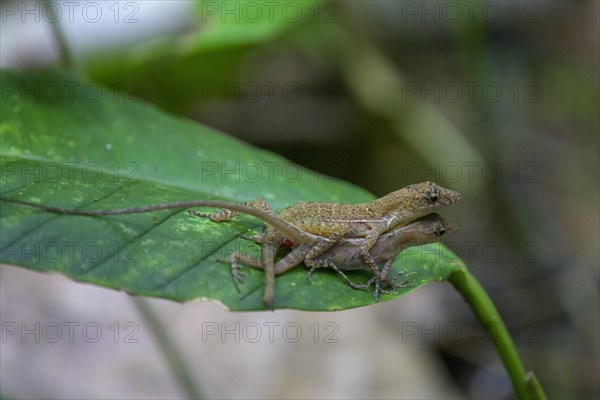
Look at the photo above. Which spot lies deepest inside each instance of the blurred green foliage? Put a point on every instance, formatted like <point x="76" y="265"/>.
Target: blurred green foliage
<point x="499" y="100"/>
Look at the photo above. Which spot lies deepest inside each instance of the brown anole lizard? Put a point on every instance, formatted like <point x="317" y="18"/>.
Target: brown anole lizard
<point x="318" y="225"/>
<point x="331" y="221"/>
<point x="345" y="254"/>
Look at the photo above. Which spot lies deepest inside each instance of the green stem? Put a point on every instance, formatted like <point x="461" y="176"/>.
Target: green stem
<point x="65" y="57"/>
<point x="489" y="318"/>
<point x="534" y="385"/>
<point x="169" y="349"/>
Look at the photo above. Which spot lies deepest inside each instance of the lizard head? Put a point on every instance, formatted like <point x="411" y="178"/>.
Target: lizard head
<point x="447" y="228"/>
<point x="416" y="200"/>
<point x="435" y="226"/>
<point x="430" y="193"/>
<point x="426" y="229"/>
<point x="424" y="195"/>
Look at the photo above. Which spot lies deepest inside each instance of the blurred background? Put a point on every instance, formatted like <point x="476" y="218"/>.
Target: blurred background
<point x="499" y="100"/>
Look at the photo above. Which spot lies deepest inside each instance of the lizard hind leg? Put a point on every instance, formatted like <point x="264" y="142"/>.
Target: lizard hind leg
<point x="258" y="238"/>
<point x="234" y="261"/>
<point x="314" y="264"/>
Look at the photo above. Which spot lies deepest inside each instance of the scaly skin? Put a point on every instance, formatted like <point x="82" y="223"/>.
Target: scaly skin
<point x="334" y="221"/>
<point x="314" y="225"/>
<point x="345" y="254"/>
<point x="396" y="208"/>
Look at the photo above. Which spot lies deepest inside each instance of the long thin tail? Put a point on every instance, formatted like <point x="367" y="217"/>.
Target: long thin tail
<point x="285" y="228"/>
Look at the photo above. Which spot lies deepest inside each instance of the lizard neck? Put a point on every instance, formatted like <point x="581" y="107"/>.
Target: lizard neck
<point x="400" y="216"/>
<point x="393" y="203"/>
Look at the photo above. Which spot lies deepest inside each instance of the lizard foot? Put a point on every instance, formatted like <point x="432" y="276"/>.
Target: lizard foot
<point x="238" y="276"/>
<point x="404" y="283"/>
<point x="215" y="217"/>
<point x="258" y="238"/>
<point x="376" y="280"/>
<point x="314" y="264"/>
<point x="198" y="214"/>
<point x="379" y="289"/>
<point x="236" y="272"/>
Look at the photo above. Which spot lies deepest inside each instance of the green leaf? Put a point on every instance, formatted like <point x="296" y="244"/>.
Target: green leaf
<point x="74" y="144"/>
<point x="215" y="62"/>
<point x="252" y="22"/>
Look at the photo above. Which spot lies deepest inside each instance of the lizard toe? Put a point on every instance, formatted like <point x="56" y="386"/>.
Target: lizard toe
<point x="309" y="275"/>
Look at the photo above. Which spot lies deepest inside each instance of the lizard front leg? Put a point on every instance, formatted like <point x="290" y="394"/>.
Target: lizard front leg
<point x="370" y="240"/>
<point x="321" y="246"/>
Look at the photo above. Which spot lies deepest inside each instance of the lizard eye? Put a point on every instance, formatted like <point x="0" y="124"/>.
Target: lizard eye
<point x="432" y="196"/>
<point x="440" y="232"/>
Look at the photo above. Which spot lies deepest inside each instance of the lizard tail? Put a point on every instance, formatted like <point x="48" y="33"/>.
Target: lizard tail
<point x="285" y="228"/>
